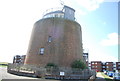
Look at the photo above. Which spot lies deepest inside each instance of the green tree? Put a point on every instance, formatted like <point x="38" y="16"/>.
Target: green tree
<point x="78" y="64"/>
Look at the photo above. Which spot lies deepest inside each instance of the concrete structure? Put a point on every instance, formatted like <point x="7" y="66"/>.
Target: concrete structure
<point x="109" y="66"/>
<point x="86" y="58"/>
<point x="23" y="59"/>
<point x="16" y="59"/>
<point x="97" y="65"/>
<point x="19" y="59"/>
<point x="57" y="38"/>
<point x="118" y="66"/>
<point x="105" y="66"/>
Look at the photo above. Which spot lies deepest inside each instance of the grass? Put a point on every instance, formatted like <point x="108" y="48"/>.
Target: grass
<point x="107" y="78"/>
<point x="3" y="64"/>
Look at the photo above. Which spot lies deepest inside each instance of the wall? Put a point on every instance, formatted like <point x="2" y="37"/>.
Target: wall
<point x="65" y="47"/>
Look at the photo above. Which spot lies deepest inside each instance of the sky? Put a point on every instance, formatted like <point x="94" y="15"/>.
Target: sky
<point x="98" y="20"/>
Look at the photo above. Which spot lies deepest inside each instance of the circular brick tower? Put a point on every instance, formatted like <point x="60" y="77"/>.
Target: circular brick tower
<point x="56" y="38"/>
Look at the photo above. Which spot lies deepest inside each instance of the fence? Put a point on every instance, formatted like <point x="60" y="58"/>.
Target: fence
<point x="50" y="73"/>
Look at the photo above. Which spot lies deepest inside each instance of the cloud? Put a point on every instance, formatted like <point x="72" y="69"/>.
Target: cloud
<point x="89" y="5"/>
<point x="112" y="0"/>
<point x="112" y="39"/>
<point x="102" y="57"/>
<point x="83" y="6"/>
<point x="106" y="58"/>
<point x="99" y="54"/>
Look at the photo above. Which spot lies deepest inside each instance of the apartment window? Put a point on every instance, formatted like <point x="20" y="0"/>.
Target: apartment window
<point x="103" y="66"/>
<point x="118" y="63"/>
<point x="62" y="15"/>
<point x="56" y="15"/>
<point x="106" y="63"/>
<point x="49" y="39"/>
<point x="63" y="10"/>
<point x="107" y="66"/>
<point x="42" y="51"/>
<point x="92" y="66"/>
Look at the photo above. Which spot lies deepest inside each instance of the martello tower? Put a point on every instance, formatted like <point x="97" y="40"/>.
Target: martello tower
<point x="56" y="38"/>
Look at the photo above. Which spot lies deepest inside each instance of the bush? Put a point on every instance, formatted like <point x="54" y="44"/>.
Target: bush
<point x="78" y="64"/>
<point x="51" y="65"/>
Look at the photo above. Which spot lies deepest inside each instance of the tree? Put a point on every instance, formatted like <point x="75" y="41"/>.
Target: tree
<point x="78" y="64"/>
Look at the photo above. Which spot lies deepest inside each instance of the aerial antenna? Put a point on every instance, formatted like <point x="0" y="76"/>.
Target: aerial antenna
<point x="61" y="2"/>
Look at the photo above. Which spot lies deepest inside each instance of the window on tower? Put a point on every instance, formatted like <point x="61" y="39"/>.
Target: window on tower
<point x="49" y="39"/>
<point x="42" y="51"/>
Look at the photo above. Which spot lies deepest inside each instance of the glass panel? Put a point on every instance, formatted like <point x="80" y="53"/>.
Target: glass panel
<point x="49" y="39"/>
<point x="41" y="50"/>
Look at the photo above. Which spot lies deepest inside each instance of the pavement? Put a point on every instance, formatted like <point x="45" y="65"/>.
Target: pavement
<point x="5" y="75"/>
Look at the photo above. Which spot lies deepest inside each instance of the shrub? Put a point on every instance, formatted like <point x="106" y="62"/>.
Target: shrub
<point x="78" y="64"/>
<point x="51" y="65"/>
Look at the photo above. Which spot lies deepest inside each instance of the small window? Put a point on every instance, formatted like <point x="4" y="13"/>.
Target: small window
<point x="92" y="66"/>
<point x="63" y="10"/>
<point x="56" y="15"/>
<point x="107" y="66"/>
<point x="49" y="39"/>
<point x="42" y="51"/>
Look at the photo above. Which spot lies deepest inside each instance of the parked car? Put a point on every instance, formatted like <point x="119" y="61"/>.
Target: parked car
<point x="116" y="77"/>
<point x="110" y="74"/>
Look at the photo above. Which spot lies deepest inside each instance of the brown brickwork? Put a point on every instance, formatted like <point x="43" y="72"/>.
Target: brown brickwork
<point x="65" y="45"/>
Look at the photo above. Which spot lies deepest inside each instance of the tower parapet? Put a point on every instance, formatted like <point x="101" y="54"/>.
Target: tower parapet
<point x="63" y="12"/>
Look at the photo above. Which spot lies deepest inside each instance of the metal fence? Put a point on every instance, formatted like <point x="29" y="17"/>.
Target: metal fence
<point x="50" y="73"/>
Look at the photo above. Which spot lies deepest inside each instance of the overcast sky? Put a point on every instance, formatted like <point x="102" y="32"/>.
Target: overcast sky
<point x="98" y="19"/>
